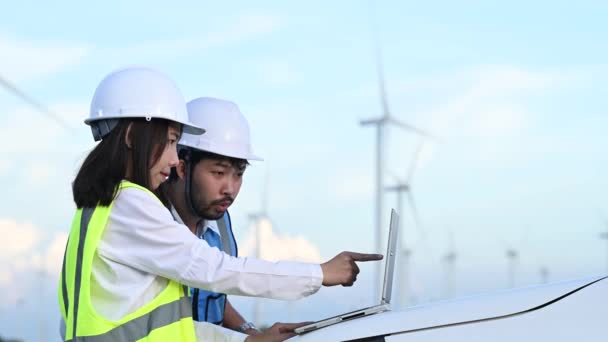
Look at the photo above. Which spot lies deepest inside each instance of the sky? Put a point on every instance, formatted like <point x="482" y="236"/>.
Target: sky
<point x="515" y="93"/>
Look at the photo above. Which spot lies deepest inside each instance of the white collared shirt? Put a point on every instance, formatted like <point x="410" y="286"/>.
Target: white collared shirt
<point x="205" y="224"/>
<point x="142" y="247"/>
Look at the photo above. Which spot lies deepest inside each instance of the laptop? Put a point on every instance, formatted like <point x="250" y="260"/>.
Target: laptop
<point x="387" y="287"/>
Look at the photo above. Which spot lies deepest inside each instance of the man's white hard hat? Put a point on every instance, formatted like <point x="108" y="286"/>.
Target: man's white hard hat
<point x="137" y="92"/>
<point x="227" y="129"/>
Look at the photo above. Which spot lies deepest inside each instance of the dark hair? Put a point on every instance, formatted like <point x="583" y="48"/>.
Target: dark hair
<point x="106" y="165"/>
<point x="195" y="156"/>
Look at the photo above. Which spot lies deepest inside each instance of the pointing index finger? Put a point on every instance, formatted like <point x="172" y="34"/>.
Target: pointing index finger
<point x="365" y="257"/>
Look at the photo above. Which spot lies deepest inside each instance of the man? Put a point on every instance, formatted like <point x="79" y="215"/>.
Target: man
<point x="202" y="187"/>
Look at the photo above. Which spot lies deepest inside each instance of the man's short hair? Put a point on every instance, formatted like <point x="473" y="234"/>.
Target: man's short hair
<point x="195" y="156"/>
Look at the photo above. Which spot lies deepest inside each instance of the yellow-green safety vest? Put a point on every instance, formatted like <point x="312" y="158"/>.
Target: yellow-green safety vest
<point x="168" y="317"/>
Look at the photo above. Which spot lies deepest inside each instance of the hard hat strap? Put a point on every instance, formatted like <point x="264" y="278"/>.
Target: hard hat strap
<point x="102" y="128"/>
<point x="188" y="192"/>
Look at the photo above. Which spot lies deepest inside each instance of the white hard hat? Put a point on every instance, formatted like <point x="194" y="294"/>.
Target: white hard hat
<point x="227" y="130"/>
<point x="137" y="92"/>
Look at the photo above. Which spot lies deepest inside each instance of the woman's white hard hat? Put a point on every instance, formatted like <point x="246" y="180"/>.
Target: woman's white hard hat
<point x="137" y="92"/>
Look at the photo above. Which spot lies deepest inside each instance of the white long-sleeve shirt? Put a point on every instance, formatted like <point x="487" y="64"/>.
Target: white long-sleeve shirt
<point x="142" y="247"/>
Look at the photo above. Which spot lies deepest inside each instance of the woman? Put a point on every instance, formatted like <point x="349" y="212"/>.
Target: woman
<point x="127" y="260"/>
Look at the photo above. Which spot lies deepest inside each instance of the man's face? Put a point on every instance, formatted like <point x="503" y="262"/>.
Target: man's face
<point x="215" y="185"/>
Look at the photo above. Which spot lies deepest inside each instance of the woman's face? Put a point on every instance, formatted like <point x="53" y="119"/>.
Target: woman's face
<point x="168" y="159"/>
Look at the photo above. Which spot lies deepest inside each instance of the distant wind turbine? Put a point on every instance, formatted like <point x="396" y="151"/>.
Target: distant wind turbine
<point x="380" y="122"/>
<point x="449" y="260"/>
<point x="513" y="259"/>
<point x="256" y="219"/>
<point x="604" y="236"/>
<point x="403" y="186"/>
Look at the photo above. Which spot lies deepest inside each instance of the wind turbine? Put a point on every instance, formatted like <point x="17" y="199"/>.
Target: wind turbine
<point x="256" y="219"/>
<point x="604" y="236"/>
<point x="544" y="274"/>
<point x="513" y="257"/>
<point x="512" y="261"/>
<point x="380" y="122"/>
<point x="400" y="188"/>
<point x="449" y="260"/>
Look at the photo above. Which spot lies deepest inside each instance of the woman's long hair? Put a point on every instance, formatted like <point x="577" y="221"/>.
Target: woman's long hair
<point x="106" y="165"/>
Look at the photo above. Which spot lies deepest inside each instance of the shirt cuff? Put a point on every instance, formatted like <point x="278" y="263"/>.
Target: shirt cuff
<point x="316" y="279"/>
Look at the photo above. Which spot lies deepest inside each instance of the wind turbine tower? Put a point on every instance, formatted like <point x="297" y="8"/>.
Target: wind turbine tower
<point x="403" y="259"/>
<point x="257" y="219"/>
<point x="449" y="260"/>
<point x="544" y="275"/>
<point x="604" y="236"/>
<point x="380" y="123"/>
<point x="512" y="259"/>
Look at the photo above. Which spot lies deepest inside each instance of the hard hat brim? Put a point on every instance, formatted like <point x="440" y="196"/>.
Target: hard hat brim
<point x="189" y="127"/>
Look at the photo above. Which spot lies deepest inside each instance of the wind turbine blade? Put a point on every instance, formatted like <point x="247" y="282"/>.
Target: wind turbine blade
<point x="411" y="128"/>
<point x="414" y="163"/>
<point x="415" y="215"/>
<point x="423" y="237"/>
<point x="6" y="84"/>
<point x="379" y="65"/>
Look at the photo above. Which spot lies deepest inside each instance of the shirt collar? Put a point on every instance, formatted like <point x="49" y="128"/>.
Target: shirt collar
<point x="202" y="226"/>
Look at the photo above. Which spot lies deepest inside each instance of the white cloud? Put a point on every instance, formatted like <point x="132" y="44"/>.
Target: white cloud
<point x="242" y="28"/>
<point x="28" y="252"/>
<point x="24" y="129"/>
<point x="26" y="132"/>
<point x="277" y="73"/>
<point x="20" y="238"/>
<point x="352" y="185"/>
<point x="39" y="173"/>
<point x="53" y="256"/>
<point x="24" y="60"/>
<point x="484" y="107"/>
<point x="492" y="99"/>
<point x="276" y="247"/>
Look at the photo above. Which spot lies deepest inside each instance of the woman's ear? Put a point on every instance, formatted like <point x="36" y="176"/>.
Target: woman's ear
<point x="128" y="136"/>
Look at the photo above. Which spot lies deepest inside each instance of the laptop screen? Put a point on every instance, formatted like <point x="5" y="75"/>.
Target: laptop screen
<point x="391" y="254"/>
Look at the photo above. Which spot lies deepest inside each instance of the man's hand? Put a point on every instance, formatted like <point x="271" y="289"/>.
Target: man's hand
<point x="342" y="269"/>
<point x="276" y="333"/>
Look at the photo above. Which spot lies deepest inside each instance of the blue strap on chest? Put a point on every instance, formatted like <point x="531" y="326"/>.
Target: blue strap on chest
<point x="209" y="306"/>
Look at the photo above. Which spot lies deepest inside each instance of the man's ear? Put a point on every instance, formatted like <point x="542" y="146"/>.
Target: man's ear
<point x="128" y="136"/>
<point x="181" y="169"/>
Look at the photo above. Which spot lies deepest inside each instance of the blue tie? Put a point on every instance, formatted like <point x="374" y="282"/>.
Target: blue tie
<point x="212" y="238"/>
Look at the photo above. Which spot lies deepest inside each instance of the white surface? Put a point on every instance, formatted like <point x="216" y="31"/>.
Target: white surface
<point x="140" y="92"/>
<point x="227" y="129"/>
<point x="581" y="314"/>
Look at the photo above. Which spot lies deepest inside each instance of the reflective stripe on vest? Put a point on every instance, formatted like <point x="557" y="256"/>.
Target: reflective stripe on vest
<point x="225" y="227"/>
<point x="209" y="306"/>
<point x="166" y="317"/>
